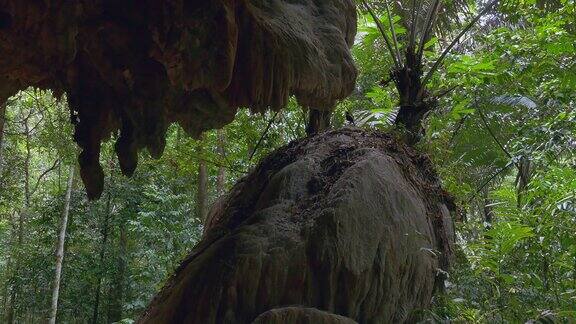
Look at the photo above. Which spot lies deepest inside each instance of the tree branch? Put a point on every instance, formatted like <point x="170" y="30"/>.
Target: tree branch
<point x="481" y="114"/>
<point x="458" y="127"/>
<point x="445" y="92"/>
<point x="218" y="164"/>
<point x="292" y="130"/>
<point x="263" y="135"/>
<point x="489" y="180"/>
<point x="56" y="162"/>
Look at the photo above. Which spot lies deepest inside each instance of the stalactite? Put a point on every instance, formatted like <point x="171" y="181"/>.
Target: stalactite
<point x="135" y="67"/>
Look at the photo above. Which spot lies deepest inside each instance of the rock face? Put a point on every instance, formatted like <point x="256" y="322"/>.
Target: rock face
<point x="341" y="227"/>
<point x="138" y="65"/>
<point x="300" y="315"/>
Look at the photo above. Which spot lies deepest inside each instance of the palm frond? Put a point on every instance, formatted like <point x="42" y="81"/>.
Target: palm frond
<point x="382" y="31"/>
<point x="450" y="14"/>
<point x="454" y="41"/>
<point x="393" y="31"/>
<point x="514" y="101"/>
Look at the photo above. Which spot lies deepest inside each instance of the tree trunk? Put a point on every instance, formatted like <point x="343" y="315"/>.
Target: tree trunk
<point x="12" y="241"/>
<point x="415" y="100"/>
<point x="221" y="179"/>
<point x="202" y="192"/>
<point x="104" y="232"/>
<point x="318" y="120"/>
<point x="117" y="288"/>
<point x="10" y="314"/>
<point x="2" y="122"/>
<point x="523" y="178"/>
<point x="488" y="212"/>
<point x="60" y="247"/>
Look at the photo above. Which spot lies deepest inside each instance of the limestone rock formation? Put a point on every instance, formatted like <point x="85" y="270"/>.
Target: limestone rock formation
<point x="345" y="226"/>
<point x="300" y="315"/>
<point x="135" y="66"/>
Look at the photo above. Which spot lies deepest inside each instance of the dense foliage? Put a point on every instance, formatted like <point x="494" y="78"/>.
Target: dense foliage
<point x="502" y="137"/>
<point x="503" y="140"/>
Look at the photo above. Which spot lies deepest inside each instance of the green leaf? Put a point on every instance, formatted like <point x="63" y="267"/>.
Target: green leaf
<point x="433" y="41"/>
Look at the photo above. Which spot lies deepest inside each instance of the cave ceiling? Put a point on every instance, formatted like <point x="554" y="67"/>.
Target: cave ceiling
<point x="134" y="67"/>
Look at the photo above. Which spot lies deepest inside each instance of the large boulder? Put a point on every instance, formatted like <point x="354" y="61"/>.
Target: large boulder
<point x="138" y="65"/>
<point x="346" y="226"/>
<point x="300" y="315"/>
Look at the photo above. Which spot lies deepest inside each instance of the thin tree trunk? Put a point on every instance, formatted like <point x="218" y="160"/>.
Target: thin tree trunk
<point x="103" y="245"/>
<point x="10" y="314"/>
<point x="487" y="209"/>
<point x="10" y="309"/>
<point x="9" y="262"/>
<point x="117" y="289"/>
<point x="2" y="122"/>
<point x="202" y="192"/>
<point x="522" y="178"/>
<point x="318" y="120"/>
<point x="104" y="231"/>
<point x="60" y="247"/>
<point x="221" y="179"/>
<point x="116" y="292"/>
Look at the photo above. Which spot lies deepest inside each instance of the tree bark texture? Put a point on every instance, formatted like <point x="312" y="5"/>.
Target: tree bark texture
<point x="318" y="120"/>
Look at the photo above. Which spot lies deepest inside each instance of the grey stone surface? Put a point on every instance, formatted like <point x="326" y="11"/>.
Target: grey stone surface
<point x="348" y="222"/>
